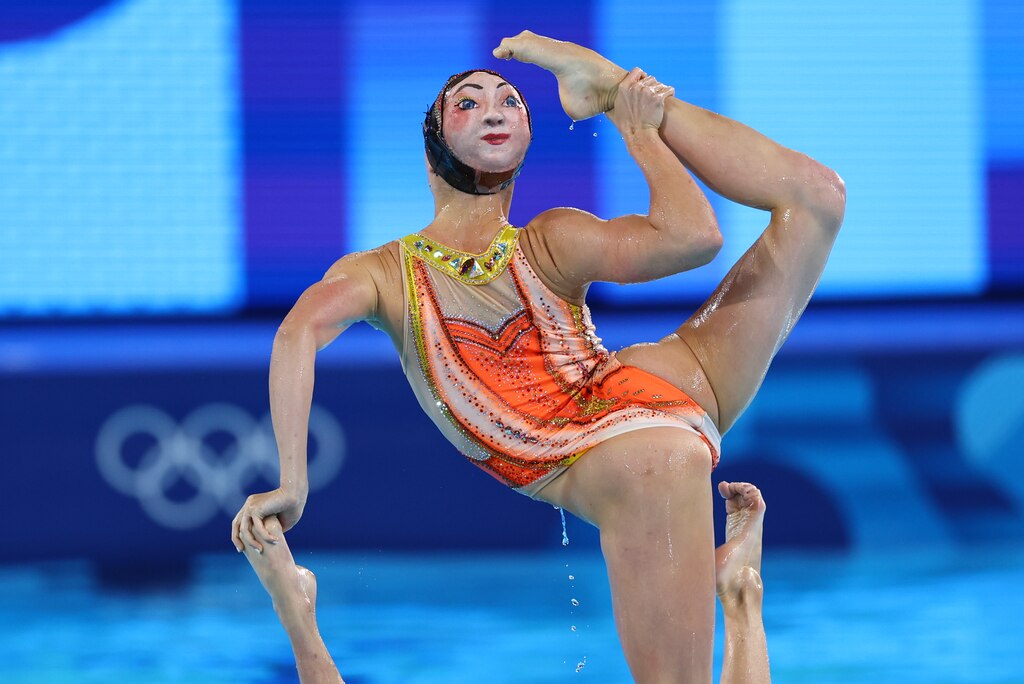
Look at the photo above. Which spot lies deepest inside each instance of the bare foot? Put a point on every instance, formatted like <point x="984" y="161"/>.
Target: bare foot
<point x="587" y="82"/>
<point x="738" y="560"/>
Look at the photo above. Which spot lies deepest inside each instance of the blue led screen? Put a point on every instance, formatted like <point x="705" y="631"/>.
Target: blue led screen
<point x="208" y="156"/>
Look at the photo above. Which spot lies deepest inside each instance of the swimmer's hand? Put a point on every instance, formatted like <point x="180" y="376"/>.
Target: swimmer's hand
<point x="640" y="103"/>
<point x="247" y="529"/>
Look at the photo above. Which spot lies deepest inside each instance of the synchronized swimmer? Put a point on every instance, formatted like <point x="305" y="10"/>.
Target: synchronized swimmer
<point x="497" y="343"/>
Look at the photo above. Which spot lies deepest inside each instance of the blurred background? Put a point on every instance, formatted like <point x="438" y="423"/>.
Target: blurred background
<point x="173" y="173"/>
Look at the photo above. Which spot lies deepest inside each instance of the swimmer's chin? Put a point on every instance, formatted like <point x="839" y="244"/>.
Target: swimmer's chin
<point x="499" y="165"/>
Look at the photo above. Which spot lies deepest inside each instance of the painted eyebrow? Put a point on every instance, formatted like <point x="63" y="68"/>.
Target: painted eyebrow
<point x="480" y="87"/>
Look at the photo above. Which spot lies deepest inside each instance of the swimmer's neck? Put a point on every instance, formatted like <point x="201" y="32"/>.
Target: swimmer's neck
<point x="465" y="221"/>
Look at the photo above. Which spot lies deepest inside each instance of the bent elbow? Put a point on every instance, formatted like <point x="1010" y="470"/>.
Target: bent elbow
<point x="699" y="250"/>
<point x="712" y="244"/>
<point x="703" y="252"/>
<point x="834" y="197"/>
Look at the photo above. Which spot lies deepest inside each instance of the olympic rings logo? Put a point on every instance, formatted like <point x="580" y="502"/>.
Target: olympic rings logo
<point x="144" y="453"/>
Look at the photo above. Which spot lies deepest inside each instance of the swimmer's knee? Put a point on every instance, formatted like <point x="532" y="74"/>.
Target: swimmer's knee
<point x="674" y="464"/>
<point x="679" y="454"/>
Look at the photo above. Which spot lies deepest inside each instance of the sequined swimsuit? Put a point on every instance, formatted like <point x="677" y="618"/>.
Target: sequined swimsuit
<point x="515" y="377"/>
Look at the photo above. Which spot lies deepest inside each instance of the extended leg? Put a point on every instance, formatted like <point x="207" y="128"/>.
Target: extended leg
<point x="293" y="591"/>
<point x="648" y="493"/>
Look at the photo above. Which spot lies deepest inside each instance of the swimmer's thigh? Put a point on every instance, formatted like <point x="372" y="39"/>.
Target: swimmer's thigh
<point x="649" y="493"/>
<point x="720" y="356"/>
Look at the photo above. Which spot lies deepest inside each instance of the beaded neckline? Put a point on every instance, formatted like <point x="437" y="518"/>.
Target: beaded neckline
<point x="473" y="269"/>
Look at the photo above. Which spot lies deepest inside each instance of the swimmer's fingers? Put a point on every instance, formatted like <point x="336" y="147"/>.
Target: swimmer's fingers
<point x="663" y="91"/>
<point x="236" y="532"/>
<point x="260" y="530"/>
<point x="246" y="532"/>
<point x="654" y="85"/>
<point x="274" y="526"/>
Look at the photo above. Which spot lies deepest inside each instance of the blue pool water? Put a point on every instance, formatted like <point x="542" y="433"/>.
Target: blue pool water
<point x="909" y="617"/>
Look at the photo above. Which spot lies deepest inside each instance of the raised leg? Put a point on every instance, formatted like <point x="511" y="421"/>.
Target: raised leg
<point x="721" y="354"/>
<point x="736" y="333"/>
<point x="293" y="591"/>
<point x="738" y="582"/>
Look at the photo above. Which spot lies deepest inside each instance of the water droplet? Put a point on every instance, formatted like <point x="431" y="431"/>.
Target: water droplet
<point x="571" y="125"/>
<point x="571" y="577"/>
<point x="565" y="535"/>
<point x="595" y="134"/>
<point x="572" y="627"/>
<point x="574" y="602"/>
<point x="582" y="664"/>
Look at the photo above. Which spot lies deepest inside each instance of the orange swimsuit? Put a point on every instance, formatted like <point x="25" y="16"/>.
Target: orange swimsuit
<point x="514" y="376"/>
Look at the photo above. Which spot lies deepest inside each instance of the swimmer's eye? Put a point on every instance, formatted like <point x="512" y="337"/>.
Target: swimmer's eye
<point x="464" y="101"/>
<point x="511" y="101"/>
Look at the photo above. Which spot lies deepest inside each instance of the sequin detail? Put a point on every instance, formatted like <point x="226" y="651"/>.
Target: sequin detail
<point x="472" y="269"/>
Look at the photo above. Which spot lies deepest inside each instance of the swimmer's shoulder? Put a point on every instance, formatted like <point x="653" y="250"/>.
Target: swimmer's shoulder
<point x="536" y="240"/>
<point x="380" y="266"/>
<point x="378" y="263"/>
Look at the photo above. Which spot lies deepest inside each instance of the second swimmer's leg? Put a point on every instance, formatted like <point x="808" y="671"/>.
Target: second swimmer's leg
<point x="293" y="591"/>
<point x="738" y="582"/>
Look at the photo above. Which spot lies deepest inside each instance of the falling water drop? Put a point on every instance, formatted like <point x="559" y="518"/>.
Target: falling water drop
<point x="565" y="535"/>
<point x="582" y="664"/>
<point x="572" y="125"/>
<point x="595" y="134"/>
<point x="574" y="602"/>
<point x="572" y="627"/>
<point x="572" y="577"/>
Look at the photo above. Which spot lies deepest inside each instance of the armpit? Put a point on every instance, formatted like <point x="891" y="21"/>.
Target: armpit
<point x="384" y="265"/>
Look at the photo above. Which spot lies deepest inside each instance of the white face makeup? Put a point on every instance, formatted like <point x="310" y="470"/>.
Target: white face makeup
<point x="485" y="123"/>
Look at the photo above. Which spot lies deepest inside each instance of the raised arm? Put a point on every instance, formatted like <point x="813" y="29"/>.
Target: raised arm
<point x="678" y="233"/>
<point x="347" y="294"/>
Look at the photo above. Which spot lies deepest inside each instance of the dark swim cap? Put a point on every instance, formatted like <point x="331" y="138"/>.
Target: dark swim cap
<point x="456" y="173"/>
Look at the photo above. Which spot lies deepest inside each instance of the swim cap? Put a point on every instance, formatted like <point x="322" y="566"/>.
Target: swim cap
<point x="456" y="173"/>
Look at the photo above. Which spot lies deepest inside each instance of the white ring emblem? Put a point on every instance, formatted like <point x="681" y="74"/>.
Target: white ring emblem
<point x="168" y="454"/>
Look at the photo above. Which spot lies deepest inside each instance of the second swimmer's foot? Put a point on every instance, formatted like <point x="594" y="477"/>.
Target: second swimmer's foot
<point x="738" y="560"/>
<point x="292" y="588"/>
<point x="307" y="580"/>
<point x="587" y="82"/>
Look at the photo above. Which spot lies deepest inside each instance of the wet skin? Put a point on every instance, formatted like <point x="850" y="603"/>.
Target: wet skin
<point x="648" y="490"/>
